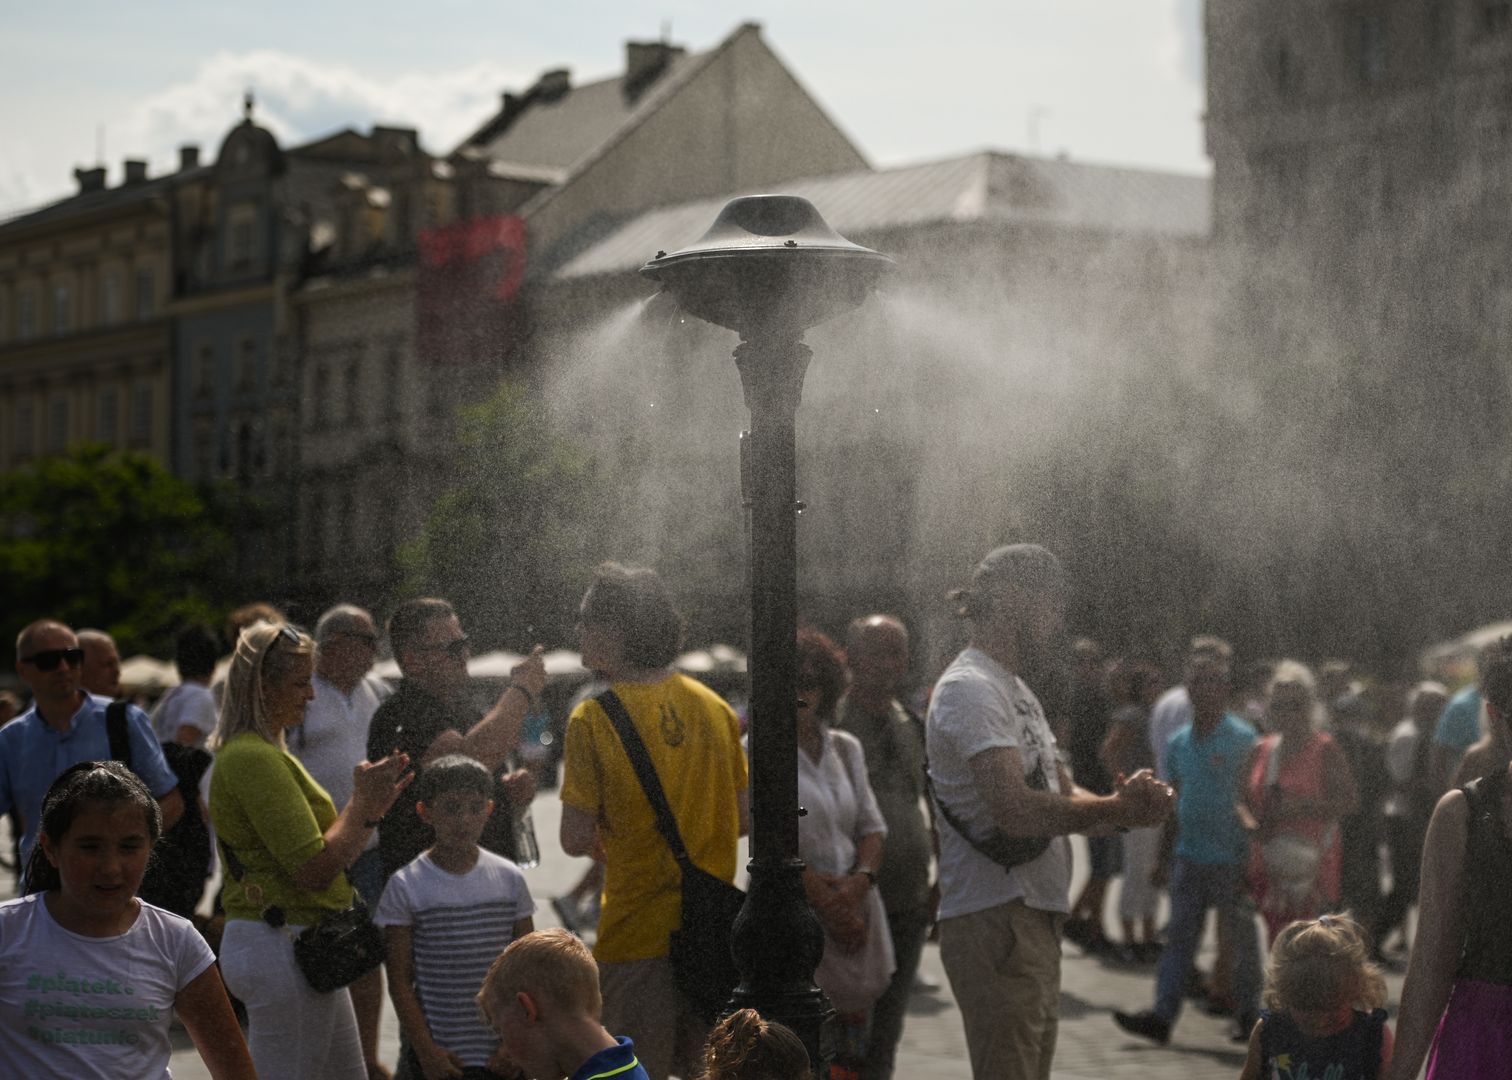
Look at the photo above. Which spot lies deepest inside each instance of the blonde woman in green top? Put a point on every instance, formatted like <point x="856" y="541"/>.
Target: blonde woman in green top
<point x="279" y="828"/>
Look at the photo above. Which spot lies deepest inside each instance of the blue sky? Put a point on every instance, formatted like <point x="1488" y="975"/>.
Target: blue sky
<point x="1104" y="80"/>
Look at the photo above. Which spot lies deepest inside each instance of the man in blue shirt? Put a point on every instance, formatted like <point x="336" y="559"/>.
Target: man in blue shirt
<point x="1206" y="761"/>
<point x="65" y="726"/>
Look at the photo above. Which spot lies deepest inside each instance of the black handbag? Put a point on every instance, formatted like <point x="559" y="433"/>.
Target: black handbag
<point x="337" y="950"/>
<point x="703" y="966"/>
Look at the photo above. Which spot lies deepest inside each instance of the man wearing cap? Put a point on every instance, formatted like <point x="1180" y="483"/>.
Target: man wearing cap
<point x="997" y="783"/>
<point x="66" y="725"/>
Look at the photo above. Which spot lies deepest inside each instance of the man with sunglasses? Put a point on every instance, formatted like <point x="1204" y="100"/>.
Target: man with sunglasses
<point x="64" y="726"/>
<point x="432" y="714"/>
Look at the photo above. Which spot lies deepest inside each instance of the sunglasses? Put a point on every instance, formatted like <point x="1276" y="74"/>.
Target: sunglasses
<point x="49" y="659"/>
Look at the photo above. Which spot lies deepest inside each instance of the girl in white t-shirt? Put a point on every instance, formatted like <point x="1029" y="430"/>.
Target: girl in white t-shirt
<point x="90" y="976"/>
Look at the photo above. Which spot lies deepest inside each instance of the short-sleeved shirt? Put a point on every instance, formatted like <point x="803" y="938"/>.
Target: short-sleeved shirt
<point x="333" y="738"/>
<point x="1459" y="725"/>
<point x="410" y="719"/>
<point x="1209" y="775"/>
<point x="461" y="923"/>
<point x="978" y="705"/>
<point x="33" y="755"/>
<point x="189" y="704"/>
<point x="272" y="816"/>
<point x="841" y="808"/>
<point x="85" y="1007"/>
<point x="693" y="739"/>
<point x="894" y="744"/>
<point x="1140" y="754"/>
<point x="1171" y="713"/>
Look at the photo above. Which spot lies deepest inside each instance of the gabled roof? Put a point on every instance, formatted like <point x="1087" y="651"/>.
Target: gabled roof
<point x="983" y="187"/>
<point x="80" y="204"/>
<point x="554" y="131"/>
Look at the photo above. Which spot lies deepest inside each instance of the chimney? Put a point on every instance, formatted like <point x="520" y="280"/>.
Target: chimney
<point x="645" y="62"/>
<point x="90" y="179"/>
<point x="188" y="157"/>
<point x="136" y="171"/>
<point x="552" y="85"/>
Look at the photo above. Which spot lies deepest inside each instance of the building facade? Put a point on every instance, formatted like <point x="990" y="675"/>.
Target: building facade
<point x="85" y="337"/>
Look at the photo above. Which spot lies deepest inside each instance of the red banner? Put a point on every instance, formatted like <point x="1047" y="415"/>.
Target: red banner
<point x="469" y="274"/>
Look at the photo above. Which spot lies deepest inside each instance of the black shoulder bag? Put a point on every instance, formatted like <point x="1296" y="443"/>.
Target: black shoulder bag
<point x="337" y="950"/>
<point x="1007" y="851"/>
<point x="703" y="965"/>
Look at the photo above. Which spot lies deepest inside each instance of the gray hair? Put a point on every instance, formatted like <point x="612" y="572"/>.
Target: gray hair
<point x="343" y="619"/>
<point x="92" y="634"/>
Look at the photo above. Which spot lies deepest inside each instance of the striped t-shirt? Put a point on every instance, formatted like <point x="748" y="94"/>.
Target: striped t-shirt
<point x="461" y="922"/>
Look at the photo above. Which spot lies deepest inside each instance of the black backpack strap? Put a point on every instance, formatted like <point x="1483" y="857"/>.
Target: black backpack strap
<point x="119" y="733"/>
<point x="645" y="772"/>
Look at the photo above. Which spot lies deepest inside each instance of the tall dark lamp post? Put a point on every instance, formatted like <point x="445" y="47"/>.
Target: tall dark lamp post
<point x="770" y="268"/>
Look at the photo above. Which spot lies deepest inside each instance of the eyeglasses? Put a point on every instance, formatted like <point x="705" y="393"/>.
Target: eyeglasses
<point x="49" y="659"/>
<point x="289" y="633"/>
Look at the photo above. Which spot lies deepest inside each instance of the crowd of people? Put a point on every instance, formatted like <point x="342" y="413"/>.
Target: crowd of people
<point x="1266" y="794"/>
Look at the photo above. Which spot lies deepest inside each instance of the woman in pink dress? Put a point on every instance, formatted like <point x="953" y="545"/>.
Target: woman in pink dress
<point x="1299" y="787"/>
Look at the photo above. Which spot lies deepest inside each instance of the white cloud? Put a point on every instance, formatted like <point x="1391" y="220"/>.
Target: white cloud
<point x="297" y="98"/>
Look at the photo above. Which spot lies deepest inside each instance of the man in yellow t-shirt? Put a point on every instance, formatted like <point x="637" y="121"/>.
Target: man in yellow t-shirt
<point x="630" y="635"/>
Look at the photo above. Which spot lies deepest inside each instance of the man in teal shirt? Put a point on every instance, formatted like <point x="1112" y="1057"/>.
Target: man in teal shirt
<point x="1206" y="762"/>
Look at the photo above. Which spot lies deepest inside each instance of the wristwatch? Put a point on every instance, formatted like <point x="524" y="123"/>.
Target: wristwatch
<point x="871" y="875"/>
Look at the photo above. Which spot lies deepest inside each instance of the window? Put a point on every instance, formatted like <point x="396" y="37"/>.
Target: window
<point x="347" y="525"/>
<point x="110" y="297"/>
<point x="62" y="308"/>
<point x="26" y="315"/>
<point x="392" y="372"/>
<point x="4" y="329"/>
<point x="26" y="433"/>
<point x="146" y="301"/>
<point x="1496" y="18"/>
<point x="203" y="439"/>
<point x="57" y="426"/>
<point x="204" y="372"/>
<point x="141" y="414"/>
<point x="353" y="379"/>
<point x="1284" y="70"/>
<point x="246" y="365"/>
<point x="108" y="425"/>
<point x="320" y="394"/>
<point x="241" y="248"/>
<point x="283" y="451"/>
<point x="1372" y="49"/>
<point x="314" y="528"/>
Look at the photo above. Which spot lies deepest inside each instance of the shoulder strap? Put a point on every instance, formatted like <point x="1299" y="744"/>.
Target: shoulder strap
<point x="645" y="772"/>
<point x="118" y="732"/>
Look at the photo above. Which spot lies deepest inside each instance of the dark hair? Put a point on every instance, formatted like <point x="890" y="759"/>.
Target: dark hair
<point x="248" y="615"/>
<point x="86" y="782"/>
<point x="821" y="656"/>
<point x="453" y="772"/>
<point x="1496" y="677"/>
<point x="196" y="651"/>
<point x="635" y="603"/>
<point x="1132" y="679"/>
<point x="743" y="1046"/>
<point x="407" y="624"/>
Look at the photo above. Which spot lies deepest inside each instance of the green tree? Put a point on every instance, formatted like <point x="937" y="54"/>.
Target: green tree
<point x="512" y="542"/>
<point x="100" y="538"/>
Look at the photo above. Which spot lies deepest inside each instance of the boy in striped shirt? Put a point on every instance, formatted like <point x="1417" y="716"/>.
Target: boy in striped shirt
<point x="445" y="916"/>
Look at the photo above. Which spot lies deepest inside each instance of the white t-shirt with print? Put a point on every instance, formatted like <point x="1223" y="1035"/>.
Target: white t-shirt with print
<point x="86" y="1007"/>
<point x="976" y="706"/>
<point x="461" y="923"/>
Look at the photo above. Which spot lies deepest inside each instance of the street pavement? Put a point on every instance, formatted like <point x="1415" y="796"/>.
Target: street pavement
<point x="1090" y="1046"/>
